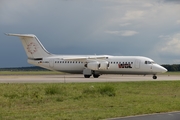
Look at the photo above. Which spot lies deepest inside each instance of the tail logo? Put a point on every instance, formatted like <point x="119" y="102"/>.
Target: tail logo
<point x="32" y="48"/>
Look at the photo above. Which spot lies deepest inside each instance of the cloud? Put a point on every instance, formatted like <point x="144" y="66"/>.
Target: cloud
<point x="178" y="21"/>
<point x="124" y="24"/>
<point x="148" y="5"/>
<point x="12" y="12"/>
<point x="123" y="33"/>
<point x="104" y="25"/>
<point x="133" y="15"/>
<point x="171" y="45"/>
<point x="172" y="1"/>
<point x="128" y="33"/>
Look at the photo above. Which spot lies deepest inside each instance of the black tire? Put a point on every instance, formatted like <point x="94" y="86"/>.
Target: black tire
<point x="154" y="77"/>
<point x="95" y="76"/>
<point x="87" y="76"/>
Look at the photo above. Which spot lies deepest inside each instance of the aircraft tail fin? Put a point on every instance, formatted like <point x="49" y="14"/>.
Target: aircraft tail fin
<point x="32" y="46"/>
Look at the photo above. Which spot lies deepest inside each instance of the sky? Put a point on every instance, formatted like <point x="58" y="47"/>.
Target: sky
<point x="149" y="28"/>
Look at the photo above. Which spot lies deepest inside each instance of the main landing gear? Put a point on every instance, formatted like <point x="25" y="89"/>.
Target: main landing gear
<point x="87" y="76"/>
<point x="88" y="72"/>
<point x="154" y="77"/>
<point x="94" y="75"/>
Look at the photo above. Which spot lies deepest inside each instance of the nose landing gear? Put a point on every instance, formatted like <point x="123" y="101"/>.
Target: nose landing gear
<point x="154" y="77"/>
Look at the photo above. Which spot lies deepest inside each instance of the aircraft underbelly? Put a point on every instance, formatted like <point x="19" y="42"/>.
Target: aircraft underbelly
<point x="125" y="72"/>
<point x="78" y="69"/>
<point x="69" y="68"/>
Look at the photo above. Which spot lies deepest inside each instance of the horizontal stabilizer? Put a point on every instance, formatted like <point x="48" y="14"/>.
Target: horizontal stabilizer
<point x="32" y="46"/>
<point x="20" y="35"/>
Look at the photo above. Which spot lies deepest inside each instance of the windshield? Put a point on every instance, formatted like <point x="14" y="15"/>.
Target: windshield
<point x="149" y="62"/>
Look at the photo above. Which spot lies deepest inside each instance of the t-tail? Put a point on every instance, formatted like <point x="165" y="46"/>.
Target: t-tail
<point x="35" y="51"/>
<point x="32" y="46"/>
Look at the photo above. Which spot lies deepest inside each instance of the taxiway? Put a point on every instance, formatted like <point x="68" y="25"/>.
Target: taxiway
<point x="69" y="78"/>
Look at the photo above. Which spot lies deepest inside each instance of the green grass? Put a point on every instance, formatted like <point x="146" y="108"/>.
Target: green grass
<point x="172" y="73"/>
<point x="90" y="101"/>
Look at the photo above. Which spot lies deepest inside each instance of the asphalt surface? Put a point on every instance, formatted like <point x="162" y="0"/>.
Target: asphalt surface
<point x="158" y="116"/>
<point x="79" y="78"/>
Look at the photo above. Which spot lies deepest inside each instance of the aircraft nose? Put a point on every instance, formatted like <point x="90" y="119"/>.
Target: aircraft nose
<point x="160" y="69"/>
<point x="164" y="70"/>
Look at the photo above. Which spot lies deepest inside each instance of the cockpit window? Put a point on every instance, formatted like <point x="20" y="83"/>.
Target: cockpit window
<point x="149" y="62"/>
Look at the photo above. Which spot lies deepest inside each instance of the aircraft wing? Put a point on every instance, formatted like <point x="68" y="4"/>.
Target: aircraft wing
<point x="86" y="58"/>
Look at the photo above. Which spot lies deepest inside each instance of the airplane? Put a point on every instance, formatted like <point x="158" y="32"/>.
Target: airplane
<point x="88" y="65"/>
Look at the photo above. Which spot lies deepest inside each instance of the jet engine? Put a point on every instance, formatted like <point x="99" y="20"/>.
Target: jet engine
<point x="104" y="65"/>
<point x="95" y="65"/>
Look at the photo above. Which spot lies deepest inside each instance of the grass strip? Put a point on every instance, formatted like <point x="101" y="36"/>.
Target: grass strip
<point x="172" y="73"/>
<point x="90" y="101"/>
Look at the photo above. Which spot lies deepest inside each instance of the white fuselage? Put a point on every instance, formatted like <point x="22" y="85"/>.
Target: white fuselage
<point x="117" y="65"/>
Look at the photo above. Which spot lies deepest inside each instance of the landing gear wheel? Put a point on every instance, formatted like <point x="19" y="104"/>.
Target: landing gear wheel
<point x="154" y="77"/>
<point x="95" y="75"/>
<point x="87" y="76"/>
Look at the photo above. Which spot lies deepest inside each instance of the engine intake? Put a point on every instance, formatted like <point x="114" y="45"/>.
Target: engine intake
<point x="104" y="65"/>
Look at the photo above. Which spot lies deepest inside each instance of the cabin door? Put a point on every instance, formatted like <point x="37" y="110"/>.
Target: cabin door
<point x="51" y="63"/>
<point x="137" y="64"/>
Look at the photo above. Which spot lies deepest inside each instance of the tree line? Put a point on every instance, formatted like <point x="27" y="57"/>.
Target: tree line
<point x="174" y="67"/>
<point x="33" y="68"/>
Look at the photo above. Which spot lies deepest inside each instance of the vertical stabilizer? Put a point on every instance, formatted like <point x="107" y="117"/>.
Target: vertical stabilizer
<point x="32" y="46"/>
